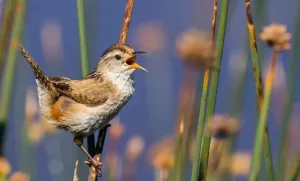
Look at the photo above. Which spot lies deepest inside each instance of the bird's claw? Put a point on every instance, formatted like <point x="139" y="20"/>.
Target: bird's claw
<point x="96" y="165"/>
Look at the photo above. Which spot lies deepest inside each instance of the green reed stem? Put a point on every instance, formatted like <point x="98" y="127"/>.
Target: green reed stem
<point x="5" y="29"/>
<point x="213" y="88"/>
<point x="176" y="173"/>
<point x="9" y="72"/>
<point x="259" y="88"/>
<point x="288" y="107"/>
<point x="294" y="174"/>
<point x="82" y="38"/>
<point x="261" y="126"/>
<point x="201" y="118"/>
<point x="197" y="153"/>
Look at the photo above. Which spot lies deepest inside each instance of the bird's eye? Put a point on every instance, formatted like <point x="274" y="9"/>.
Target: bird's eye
<point x="118" y="57"/>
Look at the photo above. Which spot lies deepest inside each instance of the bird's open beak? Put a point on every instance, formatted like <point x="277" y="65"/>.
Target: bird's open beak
<point x="131" y="61"/>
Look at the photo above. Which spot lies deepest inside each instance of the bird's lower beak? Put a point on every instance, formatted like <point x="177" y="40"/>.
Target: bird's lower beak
<point x="131" y="62"/>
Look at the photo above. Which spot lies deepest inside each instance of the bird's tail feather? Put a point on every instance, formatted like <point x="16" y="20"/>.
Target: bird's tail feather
<point x="39" y="74"/>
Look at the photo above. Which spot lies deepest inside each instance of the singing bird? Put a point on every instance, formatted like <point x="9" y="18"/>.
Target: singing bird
<point x="86" y="105"/>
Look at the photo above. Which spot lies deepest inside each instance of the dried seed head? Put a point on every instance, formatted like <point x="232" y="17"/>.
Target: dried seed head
<point x="161" y="154"/>
<point x="151" y="37"/>
<point x="134" y="147"/>
<point x="195" y="49"/>
<point x="116" y="130"/>
<point x="5" y="167"/>
<point x="19" y="176"/>
<point x="51" y="40"/>
<point x="223" y="126"/>
<point x="275" y="36"/>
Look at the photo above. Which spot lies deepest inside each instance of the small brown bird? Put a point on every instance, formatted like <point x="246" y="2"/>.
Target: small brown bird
<point x="84" y="106"/>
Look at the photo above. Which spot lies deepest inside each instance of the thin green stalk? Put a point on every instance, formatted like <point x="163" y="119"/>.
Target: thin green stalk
<point x="213" y="88"/>
<point x="176" y="173"/>
<point x="196" y="157"/>
<point x="294" y="174"/>
<point x="82" y="38"/>
<point x="196" y="162"/>
<point x="6" y="25"/>
<point x="9" y="72"/>
<point x="287" y="108"/>
<point x="261" y="126"/>
<point x="259" y="88"/>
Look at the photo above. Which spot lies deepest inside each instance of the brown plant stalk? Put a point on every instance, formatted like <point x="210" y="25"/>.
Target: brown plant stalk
<point x="258" y="79"/>
<point x="126" y="21"/>
<point x="101" y="137"/>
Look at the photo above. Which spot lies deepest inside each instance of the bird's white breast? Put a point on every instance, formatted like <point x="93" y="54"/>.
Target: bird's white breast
<point x="97" y="117"/>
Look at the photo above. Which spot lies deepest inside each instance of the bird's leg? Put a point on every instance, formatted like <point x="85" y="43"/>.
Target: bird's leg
<point x="100" y="143"/>
<point x="78" y="140"/>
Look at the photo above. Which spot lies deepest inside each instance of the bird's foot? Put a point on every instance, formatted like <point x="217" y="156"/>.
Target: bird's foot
<point x="97" y="165"/>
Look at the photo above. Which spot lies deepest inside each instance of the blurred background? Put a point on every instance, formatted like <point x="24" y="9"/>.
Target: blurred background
<point x="50" y="34"/>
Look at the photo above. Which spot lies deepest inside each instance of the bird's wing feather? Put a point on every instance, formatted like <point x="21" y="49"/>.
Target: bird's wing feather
<point x="86" y="91"/>
<point x="58" y="79"/>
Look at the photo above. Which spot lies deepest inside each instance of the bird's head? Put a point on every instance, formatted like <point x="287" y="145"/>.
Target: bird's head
<point x="119" y="59"/>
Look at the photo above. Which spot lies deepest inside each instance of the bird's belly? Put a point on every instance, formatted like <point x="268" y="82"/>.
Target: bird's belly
<point x="86" y="120"/>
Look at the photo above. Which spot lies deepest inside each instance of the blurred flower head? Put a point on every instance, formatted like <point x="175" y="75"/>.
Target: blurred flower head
<point x="116" y="130"/>
<point x="31" y="106"/>
<point x="35" y="132"/>
<point x="51" y="40"/>
<point x="195" y="49"/>
<point x="161" y="154"/>
<point x="5" y="167"/>
<point x="151" y="37"/>
<point x="134" y="147"/>
<point x="240" y="163"/>
<point x="19" y="176"/>
<point x="223" y="126"/>
<point x="275" y="36"/>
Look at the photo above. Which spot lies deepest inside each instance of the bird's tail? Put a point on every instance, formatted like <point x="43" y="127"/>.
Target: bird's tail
<point x="39" y="74"/>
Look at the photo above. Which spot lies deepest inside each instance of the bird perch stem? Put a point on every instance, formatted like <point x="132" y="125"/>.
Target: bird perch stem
<point x="126" y="21"/>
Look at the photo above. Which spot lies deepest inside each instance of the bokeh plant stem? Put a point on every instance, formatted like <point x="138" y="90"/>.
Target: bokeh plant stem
<point x="82" y="38"/>
<point x="213" y="88"/>
<point x="261" y="126"/>
<point x="197" y="153"/>
<point x="294" y="173"/>
<point x="6" y="26"/>
<point x="259" y="88"/>
<point x="287" y="108"/>
<point x="196" y="161"/>
<point x="9" y="72"/>
<point x="179" y="160"/>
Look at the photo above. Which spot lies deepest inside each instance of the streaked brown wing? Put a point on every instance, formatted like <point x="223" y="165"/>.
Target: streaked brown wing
<point x="58" y="79"/>
<point x="86" y="91"/>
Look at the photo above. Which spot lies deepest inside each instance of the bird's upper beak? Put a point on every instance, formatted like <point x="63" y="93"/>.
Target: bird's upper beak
<point x="131" y="61"/>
